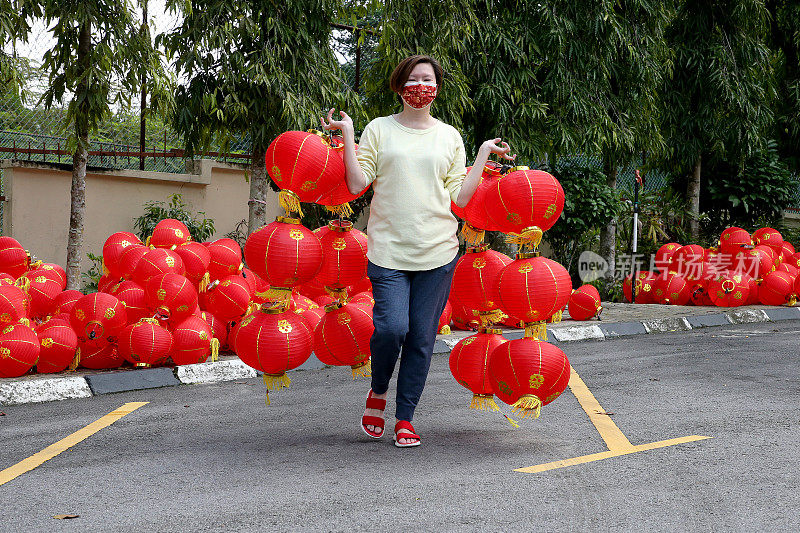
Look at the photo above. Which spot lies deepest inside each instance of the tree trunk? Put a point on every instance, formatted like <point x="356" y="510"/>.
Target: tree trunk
<point x="259" y="186"/>
<point x="608" y="234"/>
<point x="79" y="160"/>
<point x="693" y="198"/>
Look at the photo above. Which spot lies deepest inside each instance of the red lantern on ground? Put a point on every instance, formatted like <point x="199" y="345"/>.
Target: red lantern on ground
<point x="756" y="263"/>
<point x="7" y="279"/>
<point x="98" y="355"/>
<point x="129" y="260"/>
<point x="63" y="302"/>
<point x="789" y="269"/>
<point x="193" y="341"/>
<point x="313" y="316"/>
<point x="533" y="288"/>
<point x="527" y="374"/>
<point x="729" y="289"/>
<point x="14" y="259"/>
<point x="169" y="233"/>
<point x="787" y="251"/>
<point x="273" y="341"/>
<point x="300" y="303"/>
<point x="145" y="343"/>
<point x="777" y="288"/>
<point x="219" y="330"/>
<point x="172" y="296"/>
<point x="42" y="291"/>
<point x="58" y="343"/>
<point x="688" y="262"/>
<point x="584" y="303"/>
<point x="444" y="321"/>
<point x="113" y="249"/>
<point x="132" y="296"/>
<point x="645" y="282"/>
<point x="342" y="337"/>
<point x="524" y="198"/>
<point x="14" y="304"/>
<point x="226" y="258"/>
<point x="98" y="316"/>
<point x="469" y="364"/>
<point x="156" y="262"/>
<point x="305" y="166"/>
<point x="229" y="298"/>
<point x="768" y="237"/>
<point x="196" y="260"/>
<point x="51" y="271"/>
<point x="663" y="258"/>
<point x="285" y="254"/>
<point x="344" y="256"/>
<point x="699" y="293"/>
<point x="19" y="350"/>
<point x="733" y="240"/>
<point x="464" y="319"/>
<point x="475" y="282"/>
<point x="364" y="298"/>
<point x="675" y="290"/>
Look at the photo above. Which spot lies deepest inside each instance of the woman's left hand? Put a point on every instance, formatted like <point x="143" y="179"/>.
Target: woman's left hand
<point x="494" y="146"/>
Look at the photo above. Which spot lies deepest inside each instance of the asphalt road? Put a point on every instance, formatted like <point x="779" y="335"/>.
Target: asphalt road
<point x="215" y="458"/>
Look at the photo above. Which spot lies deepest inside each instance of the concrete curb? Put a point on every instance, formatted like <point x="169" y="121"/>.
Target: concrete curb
<point x="45" y="388"/>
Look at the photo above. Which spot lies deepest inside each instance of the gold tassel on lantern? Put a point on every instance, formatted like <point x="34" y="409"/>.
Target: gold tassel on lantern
<point x="205" y="281"/>
<point x="471" y="234"/>
<point x="290" y="202"/>
<point x="528" y="406"/>
<point x="76" y="360"/>
<point x="341" y="210"/>
<point x="340" y="295"/>
<point x="279" y="295"/>
<point x="483" y="402"/>
<point x="214" y="349"/>
<point x="147" y="241"/>
<point x="558" y="317"/>
<point x="536" y="330"/>
<point x="275" y="382"/>
<point x="363" y="369"/>
<point x="23" y="283"/>
<point x="489" y="318"/>
<point x="445" y="330"/>
<point x="530" y="236"/>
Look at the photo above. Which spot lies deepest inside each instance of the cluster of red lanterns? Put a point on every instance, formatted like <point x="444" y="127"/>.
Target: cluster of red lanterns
<point x="742" y="269"/>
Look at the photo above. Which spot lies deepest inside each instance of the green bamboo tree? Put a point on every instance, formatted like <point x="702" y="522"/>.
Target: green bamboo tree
<point x="253" y="70"/>
<point x="718" y="101"/>
<point x="98" y="60"/>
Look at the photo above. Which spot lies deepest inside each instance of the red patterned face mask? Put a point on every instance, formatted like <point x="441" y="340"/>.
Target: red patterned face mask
<point x="418" y="95"/>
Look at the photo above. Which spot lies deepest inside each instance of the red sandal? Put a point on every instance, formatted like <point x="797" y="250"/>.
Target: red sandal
<point x="404" y="430"/>
<point x="376" y="421"/>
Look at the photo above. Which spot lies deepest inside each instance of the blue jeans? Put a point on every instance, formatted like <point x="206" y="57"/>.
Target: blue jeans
<point x="408" y="304"/>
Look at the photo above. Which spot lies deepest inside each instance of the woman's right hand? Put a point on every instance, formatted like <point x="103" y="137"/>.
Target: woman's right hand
<point x="346" y="124"/>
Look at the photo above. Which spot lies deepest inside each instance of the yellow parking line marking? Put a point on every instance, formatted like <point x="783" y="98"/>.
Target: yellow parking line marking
<point x="616" y="441"/>
<point x="66" y="443"/>
<point x="607" y="454"/>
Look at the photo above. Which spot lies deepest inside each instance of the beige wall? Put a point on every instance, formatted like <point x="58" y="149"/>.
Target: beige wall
<point x="36" y="210"/>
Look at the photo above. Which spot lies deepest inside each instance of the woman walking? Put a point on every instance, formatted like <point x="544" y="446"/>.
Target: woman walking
<point x="416" y="165"/>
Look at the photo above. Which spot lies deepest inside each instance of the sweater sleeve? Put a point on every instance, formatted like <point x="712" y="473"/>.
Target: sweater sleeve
<point x="367" y="153"/>
<point x="457" y="172"/>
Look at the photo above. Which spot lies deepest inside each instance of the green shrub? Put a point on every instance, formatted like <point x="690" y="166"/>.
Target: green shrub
<point x="200" y="228"/>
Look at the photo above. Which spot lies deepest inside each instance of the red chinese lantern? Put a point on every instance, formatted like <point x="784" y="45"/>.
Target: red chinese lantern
<point x="113" y="249"/>
<point x="14" y="304"/>
<point x="145" y="343"/>
<point x="312" y="316"/>
<point x="50" y="271"/>
<point x="169" y="233"/>
<point x="524" y="198"/>
<point x="226" y="258"/>
<point x="364" y="298"/>
<point x="464" y="319"/>
<point x="789" y="268"/>
<point x="752" y="297"/>
<point x="42" y="291"/>
<point x="344" y="256"/>
<point x="132" y="296"/>
<point x="261" y="293"/>
<point x="756" y="263"/>
<point x="338" y="201"/>
<point x="663" y="258"/>
<point x="98" y="316"/>
<point x="305" y="166"/>
<point x="584" y="303"/>
<point x="219" y="330"/>
<point x="229" y="298"/>
<point x="645" y="286"/>
<point x="98" y="355"/>
<point x="273" y="341"/>
<point x="58" y="343"/>
<point x="196" y="260"/>
<point x="285" y="254"/>
<point x="155" y="262"/>
<point x="699" y="293"/>
<point x="768" y="237"/>
<point x="474" y="213"/>
<point x="787" y="251"/>
<point x="674" y="290"/>
<point x="129" y="260"/>
<point x="469" y="364"/>
<point x="314" y="288"/>
<point x="300" y="303"/>
<point x="444" y="321"/>
<point x="688" y="262"/>
<point x="14" y="259"/>
<point x="777" y="288"/>
<point x="729" y="289"/>
<point x="7" y="279"/>
<point x="365" y="285"/>
<point x="527" y="374"/>
<point x="63" y="302"/>
<point x="193" y="341"/>
<point x="475" y="279"/>
<point x="250" y="277"/>
<point x="733" y="240"/>
<point x="19" y="350"/>
<point x="172" y="296"/>
<point x="342" y="337"/>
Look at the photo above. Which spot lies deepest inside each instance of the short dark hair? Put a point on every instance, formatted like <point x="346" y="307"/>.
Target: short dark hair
<point x="401" y="72"/>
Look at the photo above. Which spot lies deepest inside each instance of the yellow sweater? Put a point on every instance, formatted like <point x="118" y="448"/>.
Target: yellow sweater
<point x="414" y="175"/>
